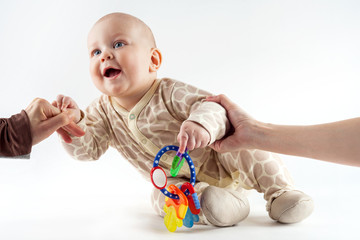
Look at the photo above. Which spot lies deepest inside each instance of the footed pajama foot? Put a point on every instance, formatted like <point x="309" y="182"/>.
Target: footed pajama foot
<point x="224" y="207"/>
<point x="291" y="207"/>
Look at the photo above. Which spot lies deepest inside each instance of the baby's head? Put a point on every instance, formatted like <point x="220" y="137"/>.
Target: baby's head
<point x="123" y="56"/>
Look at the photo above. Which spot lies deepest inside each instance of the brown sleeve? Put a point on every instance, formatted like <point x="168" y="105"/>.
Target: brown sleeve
<point x="15" y="135"/>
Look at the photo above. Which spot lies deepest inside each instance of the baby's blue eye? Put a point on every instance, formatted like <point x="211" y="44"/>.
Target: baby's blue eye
<point x="96" y="52"/>
<point x="118" y="44"/>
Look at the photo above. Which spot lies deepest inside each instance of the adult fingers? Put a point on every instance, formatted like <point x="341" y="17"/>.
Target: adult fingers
<point x="49" y="126"/>
<point x="216" y="146"/>
<point x="222" y="100"/>
<point x="50" y="110"/>
<point x="220" y="146"/>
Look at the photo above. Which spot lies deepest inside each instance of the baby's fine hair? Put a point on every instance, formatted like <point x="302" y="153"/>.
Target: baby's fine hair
<point x="145" y="28"/>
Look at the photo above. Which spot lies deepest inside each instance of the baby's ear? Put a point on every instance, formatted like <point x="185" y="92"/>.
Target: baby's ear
<point x="156" y="59"/>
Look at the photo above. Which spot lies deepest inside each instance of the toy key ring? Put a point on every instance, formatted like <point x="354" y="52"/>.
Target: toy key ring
<point x="158" y="176"/>
<point x="182" y="206"/>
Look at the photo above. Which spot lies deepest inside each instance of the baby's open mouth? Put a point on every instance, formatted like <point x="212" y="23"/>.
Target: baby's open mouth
<point x="111" y="72"/>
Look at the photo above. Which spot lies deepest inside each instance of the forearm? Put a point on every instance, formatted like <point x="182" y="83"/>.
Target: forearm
<point x="88" y="147"/>
<point x="337" y="142"/>
<point x="212" y="117"/>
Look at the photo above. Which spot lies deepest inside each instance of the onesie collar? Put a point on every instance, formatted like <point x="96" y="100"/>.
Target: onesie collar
<point x="139" y="106"/>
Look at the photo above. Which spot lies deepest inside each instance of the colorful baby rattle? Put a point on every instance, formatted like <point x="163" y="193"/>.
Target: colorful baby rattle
<point x="182" y="205"/>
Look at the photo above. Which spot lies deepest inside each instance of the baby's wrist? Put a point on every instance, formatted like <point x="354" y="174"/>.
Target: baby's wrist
<point x="80" y="117"/>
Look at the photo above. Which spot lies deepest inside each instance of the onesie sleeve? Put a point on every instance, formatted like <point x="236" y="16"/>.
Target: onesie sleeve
<point x="188" y="104"/>
<point x="95" y="142"/>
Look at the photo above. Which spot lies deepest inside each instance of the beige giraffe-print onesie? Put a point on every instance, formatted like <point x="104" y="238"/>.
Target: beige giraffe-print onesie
<point x="155" y="122"/>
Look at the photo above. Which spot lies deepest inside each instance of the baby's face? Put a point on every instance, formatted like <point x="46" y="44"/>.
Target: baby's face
<point x="120" y="57"/>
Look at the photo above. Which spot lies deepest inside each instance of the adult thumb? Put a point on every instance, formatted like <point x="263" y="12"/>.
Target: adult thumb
<point x="219" y="146"/>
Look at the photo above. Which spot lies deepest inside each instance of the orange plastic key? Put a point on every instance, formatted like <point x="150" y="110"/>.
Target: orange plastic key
<point x="180" y="205"/>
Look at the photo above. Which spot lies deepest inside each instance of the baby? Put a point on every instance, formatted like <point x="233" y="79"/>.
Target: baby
<point x="138" y="114"/>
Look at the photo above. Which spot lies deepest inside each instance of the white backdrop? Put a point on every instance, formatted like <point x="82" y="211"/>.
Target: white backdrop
<point x="286" y="62"/>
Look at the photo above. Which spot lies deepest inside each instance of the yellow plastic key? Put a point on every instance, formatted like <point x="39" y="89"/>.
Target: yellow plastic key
<point x="170" y="220"/>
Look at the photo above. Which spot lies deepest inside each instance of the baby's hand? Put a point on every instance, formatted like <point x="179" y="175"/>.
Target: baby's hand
<point x="192" y="136"/>
<point x="65" y="103"/>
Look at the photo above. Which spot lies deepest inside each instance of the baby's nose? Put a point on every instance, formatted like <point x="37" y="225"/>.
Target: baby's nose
<point x="105" y="58"/>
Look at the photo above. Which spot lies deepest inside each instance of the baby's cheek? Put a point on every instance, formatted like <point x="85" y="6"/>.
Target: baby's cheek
<point x="94" y="68"/>
<point x="95" y="74"/>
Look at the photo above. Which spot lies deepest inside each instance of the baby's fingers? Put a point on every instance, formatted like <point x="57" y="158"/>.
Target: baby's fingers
<point x="64" y="135"/>
<point x="200" y="144"/>
<point x="63" y="102"/>
<point x="59" y="101"/>
<point x="54" y="103"/>
<point x="191" y="143"/>
<point x="66" y="102"/>
<point x="73" y="129"/>
<point x="183" y="140"/>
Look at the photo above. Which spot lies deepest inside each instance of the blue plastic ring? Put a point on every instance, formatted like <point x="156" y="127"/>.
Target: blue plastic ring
<point x="189" y="161"/>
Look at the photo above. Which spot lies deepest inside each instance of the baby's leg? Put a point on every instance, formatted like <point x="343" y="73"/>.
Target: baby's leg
<point x="266" y="173"/>
<point x="258" y="170"/>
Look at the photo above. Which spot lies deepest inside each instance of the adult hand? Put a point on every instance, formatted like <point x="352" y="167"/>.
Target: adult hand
<point x="65" y="103"/>
<point x="241" y="122"/>
<point x="336" y="142"/>
<point x="45" y="119"/>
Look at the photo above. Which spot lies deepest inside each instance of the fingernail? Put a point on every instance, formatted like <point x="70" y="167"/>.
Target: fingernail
<point x="179" y="154"/>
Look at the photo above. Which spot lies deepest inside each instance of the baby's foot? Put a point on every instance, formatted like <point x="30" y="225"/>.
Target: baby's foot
<point x="224" y="207"/>
<point x="291" y="207"/>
